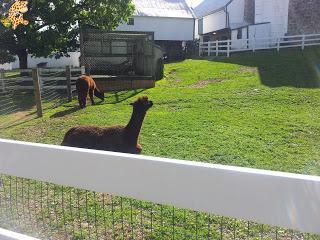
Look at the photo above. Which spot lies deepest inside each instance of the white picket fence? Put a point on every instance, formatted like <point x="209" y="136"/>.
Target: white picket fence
<point x="227" y="47"/>
<point x="280" y="199"/>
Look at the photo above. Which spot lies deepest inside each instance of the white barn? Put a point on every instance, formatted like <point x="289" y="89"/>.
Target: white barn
<point x="241" y="19"/>
<point x="171" y="21"/>
<point x="168" y="19"/>
<point x="274" y="13"/>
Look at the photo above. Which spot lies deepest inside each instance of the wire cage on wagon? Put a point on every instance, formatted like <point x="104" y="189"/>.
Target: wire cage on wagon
<point x="121" y="60"/>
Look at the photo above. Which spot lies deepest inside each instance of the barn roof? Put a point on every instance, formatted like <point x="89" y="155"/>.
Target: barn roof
<point x="202" y="8"/>
<point x="163" y="8"/>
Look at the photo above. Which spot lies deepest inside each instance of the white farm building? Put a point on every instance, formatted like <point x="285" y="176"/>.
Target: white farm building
<point x="175" y="22"/>
<point x="242" y="19"/>
<point x="239" y="19"/>
<point x="171" y="21"/>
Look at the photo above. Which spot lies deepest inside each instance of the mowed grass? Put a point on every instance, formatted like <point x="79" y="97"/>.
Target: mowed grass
<point x="259" y="111"/>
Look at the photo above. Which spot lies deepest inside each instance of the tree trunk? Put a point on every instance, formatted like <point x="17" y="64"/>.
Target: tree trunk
<point x="23" y="61"/>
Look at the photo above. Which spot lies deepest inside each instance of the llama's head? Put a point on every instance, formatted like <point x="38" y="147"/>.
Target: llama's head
<point x="100" y="95"/>
<point x="142" y="104"/>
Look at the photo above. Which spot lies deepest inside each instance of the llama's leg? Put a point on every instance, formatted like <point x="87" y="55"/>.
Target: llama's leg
<point x="91" y="91"/>
<point x="85" y="97"/>
<point x="135" y="150"/>
<point x="138" y="149"/>
<point x="82" y="100"/>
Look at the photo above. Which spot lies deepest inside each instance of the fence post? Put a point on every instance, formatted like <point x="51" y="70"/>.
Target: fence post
<point x="254" y="45"/>
<point x="217" y="48"/>
<point x="209" y="49"/>
<point x="68" y="78"/>
<point x="278" y="45"/>
<point x="228" y="48"/>
<point x="37" y="91"/>
<point x="303" y="42"/>
<point x="3" y="87"/>
<point x="40" y="80"/>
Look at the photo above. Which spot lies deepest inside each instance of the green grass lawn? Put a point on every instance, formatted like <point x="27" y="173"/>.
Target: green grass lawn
<point x="258" y="111"/>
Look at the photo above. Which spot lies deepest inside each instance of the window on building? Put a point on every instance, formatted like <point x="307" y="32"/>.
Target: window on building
<point x="239" y="35"/>
<point x="131" y="21"/>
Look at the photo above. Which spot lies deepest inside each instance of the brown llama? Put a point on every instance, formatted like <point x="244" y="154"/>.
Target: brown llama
<point x="86" y="86"/>
<point x="115" y="138"/>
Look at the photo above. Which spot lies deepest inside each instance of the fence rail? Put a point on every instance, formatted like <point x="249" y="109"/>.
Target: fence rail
<point x="216" y="48"/>
<point x="8" y="235"/>
<point x="46" y="76"/>
<point x="279" y="199"/>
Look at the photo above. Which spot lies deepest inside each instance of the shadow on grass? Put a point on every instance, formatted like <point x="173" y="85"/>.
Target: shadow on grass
<point x="14" y="123"/>
<point x="112" y="98"/>
<point x="65" y="112"/>
<point x="119" y="97"/>
<point x="18" y="101"/>
<point x="289" y="68"/>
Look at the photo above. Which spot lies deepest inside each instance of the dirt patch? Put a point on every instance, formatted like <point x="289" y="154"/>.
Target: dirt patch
<point x="248" y="70"/>
<point x="204" y="83"/>
<point x="173" y="77"/>
<point x="173" y="71"/>
<point x="20" y="115"/>
<point x="15" y="118"/>
<point x="178" y="80"/>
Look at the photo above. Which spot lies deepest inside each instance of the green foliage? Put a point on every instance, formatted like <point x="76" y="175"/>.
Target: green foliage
<point x="5" y="57"/>
<point x="54" y="25"/>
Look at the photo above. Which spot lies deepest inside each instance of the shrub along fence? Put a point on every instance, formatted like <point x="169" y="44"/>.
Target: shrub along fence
<point x="55" y="192"/>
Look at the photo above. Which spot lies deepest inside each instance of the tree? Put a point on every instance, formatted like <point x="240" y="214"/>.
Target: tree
<point x="5" y="57"/>
<point x="53" y="27"/>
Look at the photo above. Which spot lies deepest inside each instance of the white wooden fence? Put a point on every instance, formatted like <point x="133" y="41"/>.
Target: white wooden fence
<point x="26" y="82"/>
<point x="280" y="199"/>
<point x="227" y="47"/>
<point x="8" y="235"/>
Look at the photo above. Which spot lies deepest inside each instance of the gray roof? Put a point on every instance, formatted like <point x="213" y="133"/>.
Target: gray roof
<point x="163" y="8"/>
<point x="202" y="8"/>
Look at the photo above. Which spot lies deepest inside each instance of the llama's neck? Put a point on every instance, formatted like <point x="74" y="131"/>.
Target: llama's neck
<point x="134" y="126"/>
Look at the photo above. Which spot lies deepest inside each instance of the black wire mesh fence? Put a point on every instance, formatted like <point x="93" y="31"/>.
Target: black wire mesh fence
<point x="17" y="92"/>
<point x="50" y="211"/>
<point x="16" y="97"/>
<point x="53" y="87"/>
